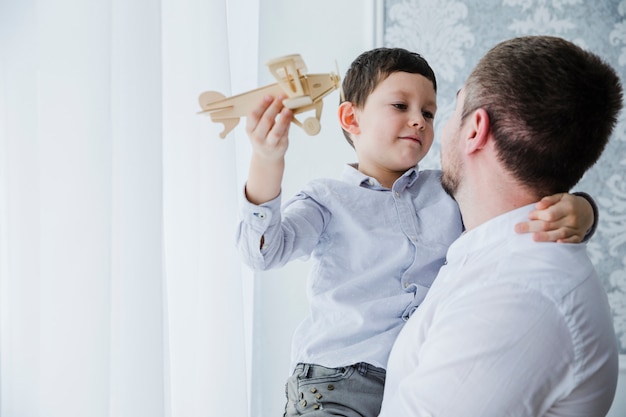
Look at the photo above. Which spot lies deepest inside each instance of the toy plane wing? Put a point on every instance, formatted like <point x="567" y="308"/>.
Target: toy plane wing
<point x="288" y="71"/>
<point x="304" y="92"/>
<point x="229" y="110"/>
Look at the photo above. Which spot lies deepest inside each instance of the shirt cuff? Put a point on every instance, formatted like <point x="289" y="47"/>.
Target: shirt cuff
<point x="262" y="216"/>
<point x="596" y="214"/>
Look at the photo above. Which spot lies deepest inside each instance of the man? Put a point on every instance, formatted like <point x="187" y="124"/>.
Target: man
<point x="512" y="327"/>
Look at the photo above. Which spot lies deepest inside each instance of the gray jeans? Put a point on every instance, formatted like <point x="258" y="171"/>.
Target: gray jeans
<point x="351" y="391"/>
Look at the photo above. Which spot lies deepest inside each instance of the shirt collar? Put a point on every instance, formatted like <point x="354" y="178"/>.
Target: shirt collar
<point x="352" y="175"/>
<point x="490" y="233"/>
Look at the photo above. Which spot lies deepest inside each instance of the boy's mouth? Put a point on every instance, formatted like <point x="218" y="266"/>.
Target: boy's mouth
<point x="413" y="138"/>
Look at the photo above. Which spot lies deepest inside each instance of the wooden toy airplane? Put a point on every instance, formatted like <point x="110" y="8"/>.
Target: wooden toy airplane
<point x="304" y="92"/>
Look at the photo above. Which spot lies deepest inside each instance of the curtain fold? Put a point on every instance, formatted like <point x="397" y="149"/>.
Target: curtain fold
<point x="204" y="276"/>
<point x="121" y="293"/>
<point x="137" y="373"/>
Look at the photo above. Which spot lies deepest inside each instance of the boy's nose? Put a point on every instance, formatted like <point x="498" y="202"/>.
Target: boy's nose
<point x="417" y="122"/>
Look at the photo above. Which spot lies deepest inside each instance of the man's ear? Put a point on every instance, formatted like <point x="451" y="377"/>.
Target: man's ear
<point x="348" y="119"/>
<point x="478" y="131"/>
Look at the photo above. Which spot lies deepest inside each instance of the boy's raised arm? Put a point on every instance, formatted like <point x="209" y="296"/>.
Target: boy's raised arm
<point x="267" y="127"/>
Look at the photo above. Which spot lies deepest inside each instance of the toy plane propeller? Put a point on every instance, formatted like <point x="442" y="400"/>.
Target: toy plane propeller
<point x="304" y="92"/>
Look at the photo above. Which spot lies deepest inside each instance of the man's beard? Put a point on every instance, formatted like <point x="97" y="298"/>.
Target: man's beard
<point x="450" y="185"/>
<point x="451" y="175"/>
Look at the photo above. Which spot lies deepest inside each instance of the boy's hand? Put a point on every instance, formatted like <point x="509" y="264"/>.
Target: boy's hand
<point x="563" y="218"/>
<point x="267" y="127"/>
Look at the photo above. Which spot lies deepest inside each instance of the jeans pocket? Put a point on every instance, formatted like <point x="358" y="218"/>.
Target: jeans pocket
<point x="340" y="391"/>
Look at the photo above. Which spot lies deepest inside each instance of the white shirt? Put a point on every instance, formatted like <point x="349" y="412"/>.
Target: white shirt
<point x="375" y="252"/>
<point x="510" y="327"/>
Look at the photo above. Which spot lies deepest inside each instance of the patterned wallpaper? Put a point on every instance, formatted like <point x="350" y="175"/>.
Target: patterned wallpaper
<point x="453" y="35"/>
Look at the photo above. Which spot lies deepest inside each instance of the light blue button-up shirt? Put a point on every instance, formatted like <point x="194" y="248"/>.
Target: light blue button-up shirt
<point x="375" y="253"/>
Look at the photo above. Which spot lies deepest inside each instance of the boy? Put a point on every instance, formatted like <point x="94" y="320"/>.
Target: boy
<point x="377" y="237"/>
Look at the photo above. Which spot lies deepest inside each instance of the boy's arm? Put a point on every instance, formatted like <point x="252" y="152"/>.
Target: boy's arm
<point x="563" y="217"/>
<point x="267" y="127"/>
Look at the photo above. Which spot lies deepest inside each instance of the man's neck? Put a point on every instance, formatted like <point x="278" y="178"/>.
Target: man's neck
<point x="482" y="203"/>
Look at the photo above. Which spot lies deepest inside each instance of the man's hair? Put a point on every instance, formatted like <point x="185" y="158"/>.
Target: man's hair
<point x="552" y="107"/>
<point x="372" y="67"/>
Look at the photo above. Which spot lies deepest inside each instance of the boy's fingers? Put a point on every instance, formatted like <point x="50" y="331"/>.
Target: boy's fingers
<point x="548" y="201"/>
<point x="560" y="236"/>
<point x="552" y="214"/>
<point x="551" y="203"/>
<point x="269" y="119"/>
<point x="546" y="215"/>
<point x="282" y="122"/>
<point x="256" y="114"/>
<point x="548" y="232"/>
<point x="571" y="239"/>
<point x="522" y="227"/>
<point x="261" y="120"/>
<point x="533" y="226"/>
<point x="279" y="130"/>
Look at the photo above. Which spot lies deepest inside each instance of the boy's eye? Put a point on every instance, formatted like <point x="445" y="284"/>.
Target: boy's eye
<point x="428" y="115"/>
<point x="400" y="106"/>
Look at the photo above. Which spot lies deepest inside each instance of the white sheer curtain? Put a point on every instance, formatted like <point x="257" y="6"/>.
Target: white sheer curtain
<point x="120" y="290"/>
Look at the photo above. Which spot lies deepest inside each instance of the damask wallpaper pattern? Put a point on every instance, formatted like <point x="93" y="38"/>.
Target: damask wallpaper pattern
<point x="452" y="35"/>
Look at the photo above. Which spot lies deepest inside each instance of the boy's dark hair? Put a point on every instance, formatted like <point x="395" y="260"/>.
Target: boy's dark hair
<point x="372" y="67"/>
<point x="552" y="107"/>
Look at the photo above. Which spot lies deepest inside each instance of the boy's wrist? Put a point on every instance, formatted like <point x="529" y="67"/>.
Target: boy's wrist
<point x="596" y="214"/>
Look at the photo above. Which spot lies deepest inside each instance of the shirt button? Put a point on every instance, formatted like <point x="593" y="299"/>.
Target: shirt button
<point x="259" y="215"/>
<point x="407" y="284"/>
<point x="397" y="194"/>
<point x="370" y="181"/>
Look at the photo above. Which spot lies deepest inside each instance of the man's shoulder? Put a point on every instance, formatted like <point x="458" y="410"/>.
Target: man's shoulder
<point x="548" y="264"/>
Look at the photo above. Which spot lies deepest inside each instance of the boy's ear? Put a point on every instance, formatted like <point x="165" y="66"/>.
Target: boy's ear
<point x="478" y="133"/>
<point x="348" y="119"/>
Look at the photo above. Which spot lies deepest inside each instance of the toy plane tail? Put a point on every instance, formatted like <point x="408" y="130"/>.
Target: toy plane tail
<point x="209" y="97"/>
<point x="210" y="101"/>
<point x="229" y="124"/>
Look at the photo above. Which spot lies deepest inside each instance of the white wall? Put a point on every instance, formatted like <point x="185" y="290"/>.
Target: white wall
<point x="322" y="32"/>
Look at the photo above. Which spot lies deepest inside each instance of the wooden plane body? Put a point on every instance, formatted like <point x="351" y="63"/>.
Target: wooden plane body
<point x="304" y="92"/>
